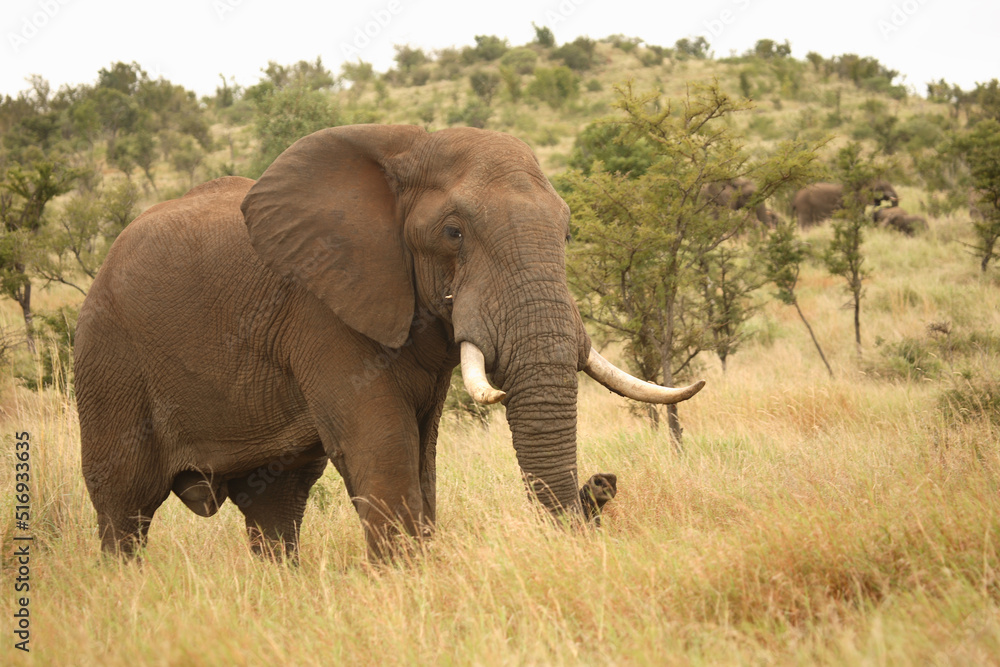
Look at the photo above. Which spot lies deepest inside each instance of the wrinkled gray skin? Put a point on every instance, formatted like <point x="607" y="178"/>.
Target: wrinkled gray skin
<point x="238" y="338"/>
<point x="817" y="202"/>
<point x="736" y="194"/>
<point x="899" y="220"/>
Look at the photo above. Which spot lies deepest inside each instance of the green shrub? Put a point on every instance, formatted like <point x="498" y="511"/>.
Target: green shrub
<point x="623" y="43"/>
<point x="420" y="76"/>
<point x="907" y="359"/>
<point x="521" y="60"/>
<point x="650" y="57"/>
<point x="462" y="406"/>
<point x="554" y="86"/>
<point x="484" y="85"/>
<point x="972" y="400"/>
<point x="474" y="114"/>
<point x="602" y="141"/>
<point x="578" y="54"/>
<point x="488" y="48"/>
<point x="55" y="335"/>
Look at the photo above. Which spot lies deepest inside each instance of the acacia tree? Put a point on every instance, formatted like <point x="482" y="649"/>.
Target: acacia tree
<point x="648" y="242"/>
<point x="24" y="194"/>
<point x="979" y="149"/>
<point x="783" y="256"/>
<point x="80" y="235"/>
<point x="844" y="256"/>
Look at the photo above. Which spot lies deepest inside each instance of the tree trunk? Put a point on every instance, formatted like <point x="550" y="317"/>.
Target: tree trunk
<point x="813" y="336"/>
<point x="857" y="323"/>
<point x="673" y="420"/>
<point x="24" y="299"/>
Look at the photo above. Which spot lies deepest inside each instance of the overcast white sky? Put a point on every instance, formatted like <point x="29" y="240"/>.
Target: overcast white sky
<point x="190" y="42"/>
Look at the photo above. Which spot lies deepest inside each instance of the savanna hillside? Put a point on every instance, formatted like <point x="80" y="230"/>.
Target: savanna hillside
<point x="850" y="516"/>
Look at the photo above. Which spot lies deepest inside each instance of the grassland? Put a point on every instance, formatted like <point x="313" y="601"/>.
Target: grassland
<point x="809" y="519"/>
<point x="853" y="520"/>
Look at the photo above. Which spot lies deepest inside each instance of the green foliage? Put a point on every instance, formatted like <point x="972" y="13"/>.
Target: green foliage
<point x="880" y="126"/>
<point x="614" y="147"/>
<point x="544" y="36"/>
<point x="488" y="48"/>
<point x="651" y="56"/>
<point x="357" y="73"/>
<point x="652" y="252"/>
<point x="484" y="84"/>
<point x="866" y="73"/>
<point x="520" y="60"/>
<point x="623" y="43"/>
<point x="511" y="83"/>
<point x="303" y="74"/>
<point x="783" y="253"/>
<point x="554" y="86"/>
<point x="907" y="359"/>
<point x="972" y="400"/>
<point x="577" y="55"/>
<point x="24" y="196"/>
<point x="746" y="88"/>
<point x="980" y="150"/>
<point x="461" y="404"/>
<point x="56" y="334"/>
<point x="768" y="49"/>
<point x="844" y="257"/>
<point x="686" y="48"/>
<point x="281" y="117"/>
<point x="81" y="234"/>
<point x="476" y="113"/>
<point x="408" y="58"/>
<point x="816" y="59"/>
<point x="987" y="97"/>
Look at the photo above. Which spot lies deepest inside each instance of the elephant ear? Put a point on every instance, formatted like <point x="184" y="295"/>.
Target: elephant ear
<point x="326" y="214"/>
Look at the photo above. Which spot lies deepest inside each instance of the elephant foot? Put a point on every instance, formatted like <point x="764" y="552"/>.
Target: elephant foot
<point x="598" y="490"/>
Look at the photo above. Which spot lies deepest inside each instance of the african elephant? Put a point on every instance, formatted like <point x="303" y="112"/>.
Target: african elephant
<point x="735" y="194"/>
<point x="893" y="217"/>
<point x="238" y="338"/>
<point x="817" y="202"/>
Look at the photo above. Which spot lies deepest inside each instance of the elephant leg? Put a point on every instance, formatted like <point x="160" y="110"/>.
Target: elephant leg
<point x="273" y="500"/>
<point x="383" y="476"/>
<point x="428" y="451"/>
<point x="124" y="480"/>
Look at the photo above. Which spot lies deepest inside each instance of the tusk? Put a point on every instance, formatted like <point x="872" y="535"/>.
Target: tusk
<point x="626" y="385"/>
<point x="474" y="376"/>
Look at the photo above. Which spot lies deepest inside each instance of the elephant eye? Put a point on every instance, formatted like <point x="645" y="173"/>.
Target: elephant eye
<point x="453" y="232"/>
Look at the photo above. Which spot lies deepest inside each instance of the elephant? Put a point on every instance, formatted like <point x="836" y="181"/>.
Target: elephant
<point x="735" y="194"/>
<point x="893" y="217"/>
<point x="238" y="338"/>
<point x="817" y="202"/>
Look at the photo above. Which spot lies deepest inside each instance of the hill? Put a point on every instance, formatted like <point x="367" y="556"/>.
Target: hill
<point x="828" y="518"/>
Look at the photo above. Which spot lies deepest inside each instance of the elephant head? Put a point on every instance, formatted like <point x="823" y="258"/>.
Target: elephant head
<point x="882" y="191"/>
<point x="736" y="194"/>
<point x="382" y="223"/>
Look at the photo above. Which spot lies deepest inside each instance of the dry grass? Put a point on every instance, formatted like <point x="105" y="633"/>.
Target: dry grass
<point x="809" y="520"/>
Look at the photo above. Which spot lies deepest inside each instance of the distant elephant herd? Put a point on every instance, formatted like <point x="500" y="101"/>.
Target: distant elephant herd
<point x="814" y="203"/>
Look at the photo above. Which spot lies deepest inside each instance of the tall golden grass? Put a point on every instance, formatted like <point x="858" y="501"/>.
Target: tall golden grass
<point x="851" y="520"/>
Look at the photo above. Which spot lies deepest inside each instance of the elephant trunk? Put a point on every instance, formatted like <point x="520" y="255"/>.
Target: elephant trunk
<point x="539" y="375"/>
